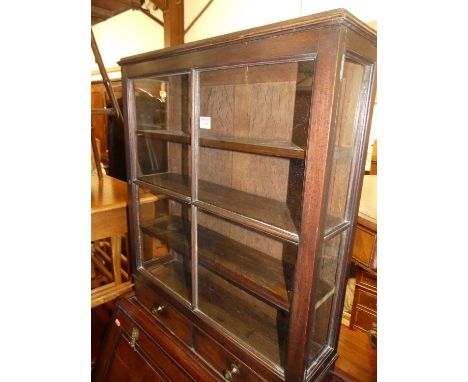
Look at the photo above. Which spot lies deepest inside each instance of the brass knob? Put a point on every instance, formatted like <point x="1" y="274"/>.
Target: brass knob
<point x="158" y="309"/>
<point x="233" y="370"/>
<point x="133" y="340"/>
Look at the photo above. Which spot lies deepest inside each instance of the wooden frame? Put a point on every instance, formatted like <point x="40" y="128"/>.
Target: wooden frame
<point x="332" y="39"/>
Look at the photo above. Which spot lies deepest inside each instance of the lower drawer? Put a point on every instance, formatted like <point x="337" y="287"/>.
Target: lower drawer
<point x="364" y="319"/>
<point x="127" y="364"/>
<point x="225" y="363"/>
<point x="164" y="312"/>
<point x="364" y="246"/>
<point x="366" y="299"/>
<point x="154" y="352"/>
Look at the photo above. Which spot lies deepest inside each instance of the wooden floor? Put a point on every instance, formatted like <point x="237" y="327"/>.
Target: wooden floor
<point x="356" y="357"/>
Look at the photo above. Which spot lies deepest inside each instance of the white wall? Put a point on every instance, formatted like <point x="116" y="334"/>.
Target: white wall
<point x="225" y="16"/>
<point x="126" y="34"/>
<point x="132" y="32"/>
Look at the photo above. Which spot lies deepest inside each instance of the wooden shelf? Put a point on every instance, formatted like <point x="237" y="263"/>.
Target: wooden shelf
<point x="267" y="215"/>
<point x="252" y="270"/>
<point x="278" y="148"/>
<point x="177" y="136"/>
<point x="175" y="185"/>
<point x="264" y="214"/>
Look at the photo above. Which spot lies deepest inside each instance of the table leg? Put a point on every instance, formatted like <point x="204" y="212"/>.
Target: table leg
<point x="116" y="244"/>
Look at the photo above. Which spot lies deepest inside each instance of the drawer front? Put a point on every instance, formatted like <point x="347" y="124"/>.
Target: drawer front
<point x="366" y="279"/>
<point x="364" y="246"/>
<point x="364" y="319"/>
<point x="144" y="345"/>
<point x="128" y="364"/>
<point x="367" y="299"/>
<point x="165" y="313"/>
<point x="222" y="360"/>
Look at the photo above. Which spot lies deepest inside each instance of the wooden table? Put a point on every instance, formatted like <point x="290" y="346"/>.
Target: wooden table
<point x="109" y="221"/>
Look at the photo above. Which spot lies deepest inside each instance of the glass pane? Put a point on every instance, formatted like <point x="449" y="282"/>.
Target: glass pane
<point x="324" y="295"/>
<point x="346" y="131"/>
<point x="165" y="240"/>
<point x="257" y="107"/>
<point x="258" y="263"/>
<point x="267" y="189"/>
<point x="256" y="324"/>
<point x="245" y="283"/>
<point x="163" y="132"/>
<point x="253" y="132"/>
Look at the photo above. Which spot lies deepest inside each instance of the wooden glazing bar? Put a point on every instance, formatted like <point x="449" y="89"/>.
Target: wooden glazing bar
<point x="135" y="245"/>
<point x="335" y="230"/>
<point x="194" y="113"/>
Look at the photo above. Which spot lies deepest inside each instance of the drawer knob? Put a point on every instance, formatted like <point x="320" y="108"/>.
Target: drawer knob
<point x="157" y="309"/>
<point x="134" y="339"/>
<point x="233" y="370"/>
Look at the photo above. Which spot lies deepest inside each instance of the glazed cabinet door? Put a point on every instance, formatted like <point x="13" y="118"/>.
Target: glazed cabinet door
<point x="159" y="110"/>
<point x="251" y="127"/>
<point x="348" y="146"/>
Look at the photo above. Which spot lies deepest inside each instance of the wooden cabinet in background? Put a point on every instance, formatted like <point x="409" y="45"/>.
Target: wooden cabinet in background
<point x="255" y="144"/>
<point x="364" y="313"/>
<point x="364" y="310"/>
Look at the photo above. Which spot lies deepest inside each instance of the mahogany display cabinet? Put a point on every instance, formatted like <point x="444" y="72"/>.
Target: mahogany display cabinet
<point x="254" y="144"/>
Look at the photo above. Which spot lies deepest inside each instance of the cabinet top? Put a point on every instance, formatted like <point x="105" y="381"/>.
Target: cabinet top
<point x="334" y="17"/>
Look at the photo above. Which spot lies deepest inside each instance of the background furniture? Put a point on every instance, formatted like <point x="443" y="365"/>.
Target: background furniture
<point x="108" y="228"/>
<point x="258" y="149"/>
<point x="108" y="231"/>
<point x="364" y="312"/>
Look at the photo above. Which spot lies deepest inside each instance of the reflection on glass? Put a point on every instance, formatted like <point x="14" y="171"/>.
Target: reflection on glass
<point x="254" y="134"/>
<point x="347" y="130"/>
<point x="258" y="325"/>
<point x="165" y="236"/>
<point x="161" y="108"/>
<point x="324" y="295"/>
<point x="260" y="264"/>
<point x="267" y="189"/>
<point x="262" y="104"/>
